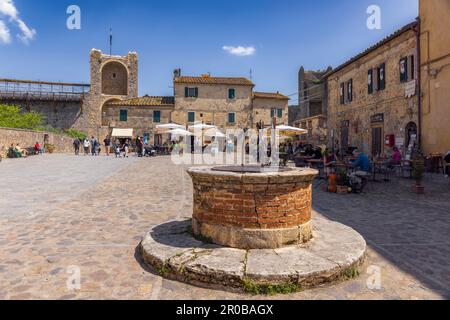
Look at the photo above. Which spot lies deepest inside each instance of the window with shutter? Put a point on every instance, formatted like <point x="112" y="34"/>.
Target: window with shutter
<point x="382" y="78"/>
<point x="370" y="81"/>
<point x="350" y="90"/>
<point x="342" y="93"/>
<point x="272" y="113"/>
<point x="231" y="94"/>
<point x="123" y="115"/>
<point x="232" y="118"/>
<point x="404" y="70"/>
<point x="156" y="116"/>
<point x="191" y="92"/>
<point x="280" y="113"/>
<point x="191" y="117"/>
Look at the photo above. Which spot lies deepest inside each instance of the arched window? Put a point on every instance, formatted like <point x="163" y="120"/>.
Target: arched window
<point x="114" y="79"/>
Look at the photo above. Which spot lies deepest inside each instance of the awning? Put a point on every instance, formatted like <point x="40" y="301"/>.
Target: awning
<point x="122" y="133"/>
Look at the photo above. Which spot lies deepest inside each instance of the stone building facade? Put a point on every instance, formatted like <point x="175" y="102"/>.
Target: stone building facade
<point x="435" y="75"/>
<point x="312" y="105"/>
<point x="228" y="103"/>
<point x="268" y="107"/>
<point x="372" y="99"/>
<point x="224" y="102"/>
<point x="141" y="114"/>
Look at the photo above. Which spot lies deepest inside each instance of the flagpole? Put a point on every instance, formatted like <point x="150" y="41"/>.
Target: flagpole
<point x="110" y="41"/>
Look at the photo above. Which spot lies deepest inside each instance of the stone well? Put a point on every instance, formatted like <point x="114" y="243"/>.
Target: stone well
<point x="252" y="208"/>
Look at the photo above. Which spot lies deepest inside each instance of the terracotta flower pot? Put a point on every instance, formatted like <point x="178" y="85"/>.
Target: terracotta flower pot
<point x="342" y="190"/>
<point x="418" y="189"/>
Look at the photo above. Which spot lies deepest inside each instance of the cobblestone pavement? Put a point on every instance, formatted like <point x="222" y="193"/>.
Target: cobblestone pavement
<point x="64" y="214"/>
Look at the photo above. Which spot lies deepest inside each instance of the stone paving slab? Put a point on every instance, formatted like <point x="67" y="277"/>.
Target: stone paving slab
<point x="175" y="254"/>
<point x="108" y="204"/>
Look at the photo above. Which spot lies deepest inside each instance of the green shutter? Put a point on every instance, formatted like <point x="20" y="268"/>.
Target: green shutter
<point x="280" y="113"/>
<point x="196" y="92"/>
<point x="123" y="115"/>
<point x="186" y="92"/>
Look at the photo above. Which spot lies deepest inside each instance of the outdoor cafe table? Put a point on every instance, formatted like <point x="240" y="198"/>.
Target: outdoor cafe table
<point x="380" y="167"/>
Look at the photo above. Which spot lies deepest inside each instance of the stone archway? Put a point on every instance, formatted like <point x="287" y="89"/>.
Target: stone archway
<point x="114" y="79"/>
<point x="107" y="113"/>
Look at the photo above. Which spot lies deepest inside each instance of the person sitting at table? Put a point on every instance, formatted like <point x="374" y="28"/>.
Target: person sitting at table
<point x="396" y="157"/>
<point x="362" y="162"/>
<point x="38" y="148"/>
<point x="318" y="153"/>
<point x="21" y="151"/>
<point x="447" y="167"/>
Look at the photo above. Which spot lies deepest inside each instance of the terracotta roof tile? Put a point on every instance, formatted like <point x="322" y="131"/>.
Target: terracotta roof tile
<point x="214" y="80"/>
<point x="145" y="101"/>
<point x="269" y="95"/>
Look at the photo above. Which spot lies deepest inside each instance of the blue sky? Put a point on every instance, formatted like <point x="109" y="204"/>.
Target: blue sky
<point x="168" y="34"/>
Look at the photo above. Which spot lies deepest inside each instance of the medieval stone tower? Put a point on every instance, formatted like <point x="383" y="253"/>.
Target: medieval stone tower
<point x="113" y="78"/>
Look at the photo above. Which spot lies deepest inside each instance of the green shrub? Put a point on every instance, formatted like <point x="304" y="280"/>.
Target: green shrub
<point x="12" y="117"/>
<point x="75" y="134"/>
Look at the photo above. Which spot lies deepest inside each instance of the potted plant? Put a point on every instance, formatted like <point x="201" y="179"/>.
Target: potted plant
<point x="342" y="182"/>
<point x="418" y="169"/>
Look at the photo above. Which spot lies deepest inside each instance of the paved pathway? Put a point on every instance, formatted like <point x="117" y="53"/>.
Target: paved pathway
<point x="63" y="214"/>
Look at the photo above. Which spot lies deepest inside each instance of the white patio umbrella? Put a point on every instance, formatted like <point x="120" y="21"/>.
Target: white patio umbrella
<point x="202" y="126"/>
<point x="180" y="132"/>
<point x="214" y="133"/>
<point x="288" y="130"/>
<point x="170" y="126"/>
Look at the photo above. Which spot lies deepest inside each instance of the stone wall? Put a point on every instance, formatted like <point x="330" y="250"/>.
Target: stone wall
<point x="58" y="114"/>
<point x="26" y="139"/>
<point x="358" y="115"/>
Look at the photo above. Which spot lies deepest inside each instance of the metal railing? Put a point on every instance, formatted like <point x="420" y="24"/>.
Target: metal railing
<point x="42" y="91"/>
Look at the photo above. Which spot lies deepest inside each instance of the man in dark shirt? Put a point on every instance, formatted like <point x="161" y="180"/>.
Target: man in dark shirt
<point x="76" y="146"/>
<point x="107" y="143"/>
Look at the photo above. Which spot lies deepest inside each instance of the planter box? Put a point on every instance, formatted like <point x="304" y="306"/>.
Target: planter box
<point x="419" y="189"/>
<point x="342" y="190"/>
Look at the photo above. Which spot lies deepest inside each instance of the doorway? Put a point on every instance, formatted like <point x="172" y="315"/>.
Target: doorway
<point x="377" y="141"/>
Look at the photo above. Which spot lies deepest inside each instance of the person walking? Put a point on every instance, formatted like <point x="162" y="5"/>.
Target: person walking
<point x="107" y="143"/>
<point x="86" y="146"/>
<point x="94" y="146"/>
<point x="76" y="146"/>
<point x="126" y="148"/>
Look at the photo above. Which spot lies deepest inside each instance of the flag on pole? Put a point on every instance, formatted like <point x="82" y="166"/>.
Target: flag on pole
<point x="110" y="41"/>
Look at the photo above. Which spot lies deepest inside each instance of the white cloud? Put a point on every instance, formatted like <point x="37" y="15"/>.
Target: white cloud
<point x="240" y="51"/>
<point x="27" y="33"/>
<point x="5" y="36"/>
<point x="9" y="10"/>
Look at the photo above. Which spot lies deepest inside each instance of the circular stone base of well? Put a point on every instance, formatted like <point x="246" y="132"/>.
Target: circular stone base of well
<point x="335" y="253"/>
